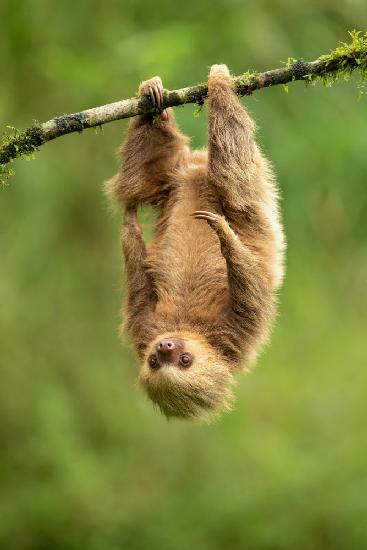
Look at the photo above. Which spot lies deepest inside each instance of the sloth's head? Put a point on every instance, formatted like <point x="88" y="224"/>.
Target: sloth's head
<point x="185" y="376"/>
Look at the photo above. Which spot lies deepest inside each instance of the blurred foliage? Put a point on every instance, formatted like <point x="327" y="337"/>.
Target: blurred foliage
<point x="85" y="462"/>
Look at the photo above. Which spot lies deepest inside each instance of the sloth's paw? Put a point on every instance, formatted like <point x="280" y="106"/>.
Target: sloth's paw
<point x="219" y="224"/>
<point x="153" y="88"/>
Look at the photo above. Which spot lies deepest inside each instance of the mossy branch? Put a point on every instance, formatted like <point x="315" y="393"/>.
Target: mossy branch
<point x="340" y="63"/>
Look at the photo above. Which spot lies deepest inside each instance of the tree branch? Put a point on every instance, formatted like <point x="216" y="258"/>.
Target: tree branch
<point x="341" y="62"/>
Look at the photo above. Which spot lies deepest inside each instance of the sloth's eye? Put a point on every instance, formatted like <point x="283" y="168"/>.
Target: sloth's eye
<point x="152" y="361"/>
<point x="185" y="360"/>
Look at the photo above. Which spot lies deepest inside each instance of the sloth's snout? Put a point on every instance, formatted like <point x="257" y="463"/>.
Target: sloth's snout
<point x="165" y="346"/>
<point x="168" y="350"/>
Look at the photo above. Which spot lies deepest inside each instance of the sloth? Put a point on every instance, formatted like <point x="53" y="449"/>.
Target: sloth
<point x="201" y="296"/>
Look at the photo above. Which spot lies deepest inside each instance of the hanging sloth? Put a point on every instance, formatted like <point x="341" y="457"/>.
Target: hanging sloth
<point x="202" y="295"/>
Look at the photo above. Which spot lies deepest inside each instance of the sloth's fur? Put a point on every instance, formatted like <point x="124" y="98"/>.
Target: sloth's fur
<point x="210" y="279"/>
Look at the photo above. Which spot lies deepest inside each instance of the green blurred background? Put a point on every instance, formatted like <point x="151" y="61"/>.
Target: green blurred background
<point x="85" y="461"/>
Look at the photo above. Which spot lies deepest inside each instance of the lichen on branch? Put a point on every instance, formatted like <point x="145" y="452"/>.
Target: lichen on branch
<point x="327" y="69"/>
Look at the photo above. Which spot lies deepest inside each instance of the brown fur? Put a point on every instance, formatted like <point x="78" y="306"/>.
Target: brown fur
<point x="209" y="278"/>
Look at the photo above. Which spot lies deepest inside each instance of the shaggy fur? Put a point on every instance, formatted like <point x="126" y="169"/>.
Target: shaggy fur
<point x="211" y="273"/>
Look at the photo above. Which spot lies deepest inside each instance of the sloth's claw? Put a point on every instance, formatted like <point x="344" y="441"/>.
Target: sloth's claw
<point x="157" y="97"/>
<point x="210" y="217"/>
<point x="152" y="96"/>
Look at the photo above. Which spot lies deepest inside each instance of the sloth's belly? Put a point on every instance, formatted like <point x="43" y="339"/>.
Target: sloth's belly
<point x="190" y="271"/>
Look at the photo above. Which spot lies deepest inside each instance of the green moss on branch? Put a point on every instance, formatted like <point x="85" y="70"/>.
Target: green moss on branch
<point x="18" y="144"/>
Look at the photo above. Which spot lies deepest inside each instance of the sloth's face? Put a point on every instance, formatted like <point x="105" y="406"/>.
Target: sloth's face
<point x="186" y="377"/>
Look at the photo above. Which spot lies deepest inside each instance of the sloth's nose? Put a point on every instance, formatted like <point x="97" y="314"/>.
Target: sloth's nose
<point x="165" y="346"/>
